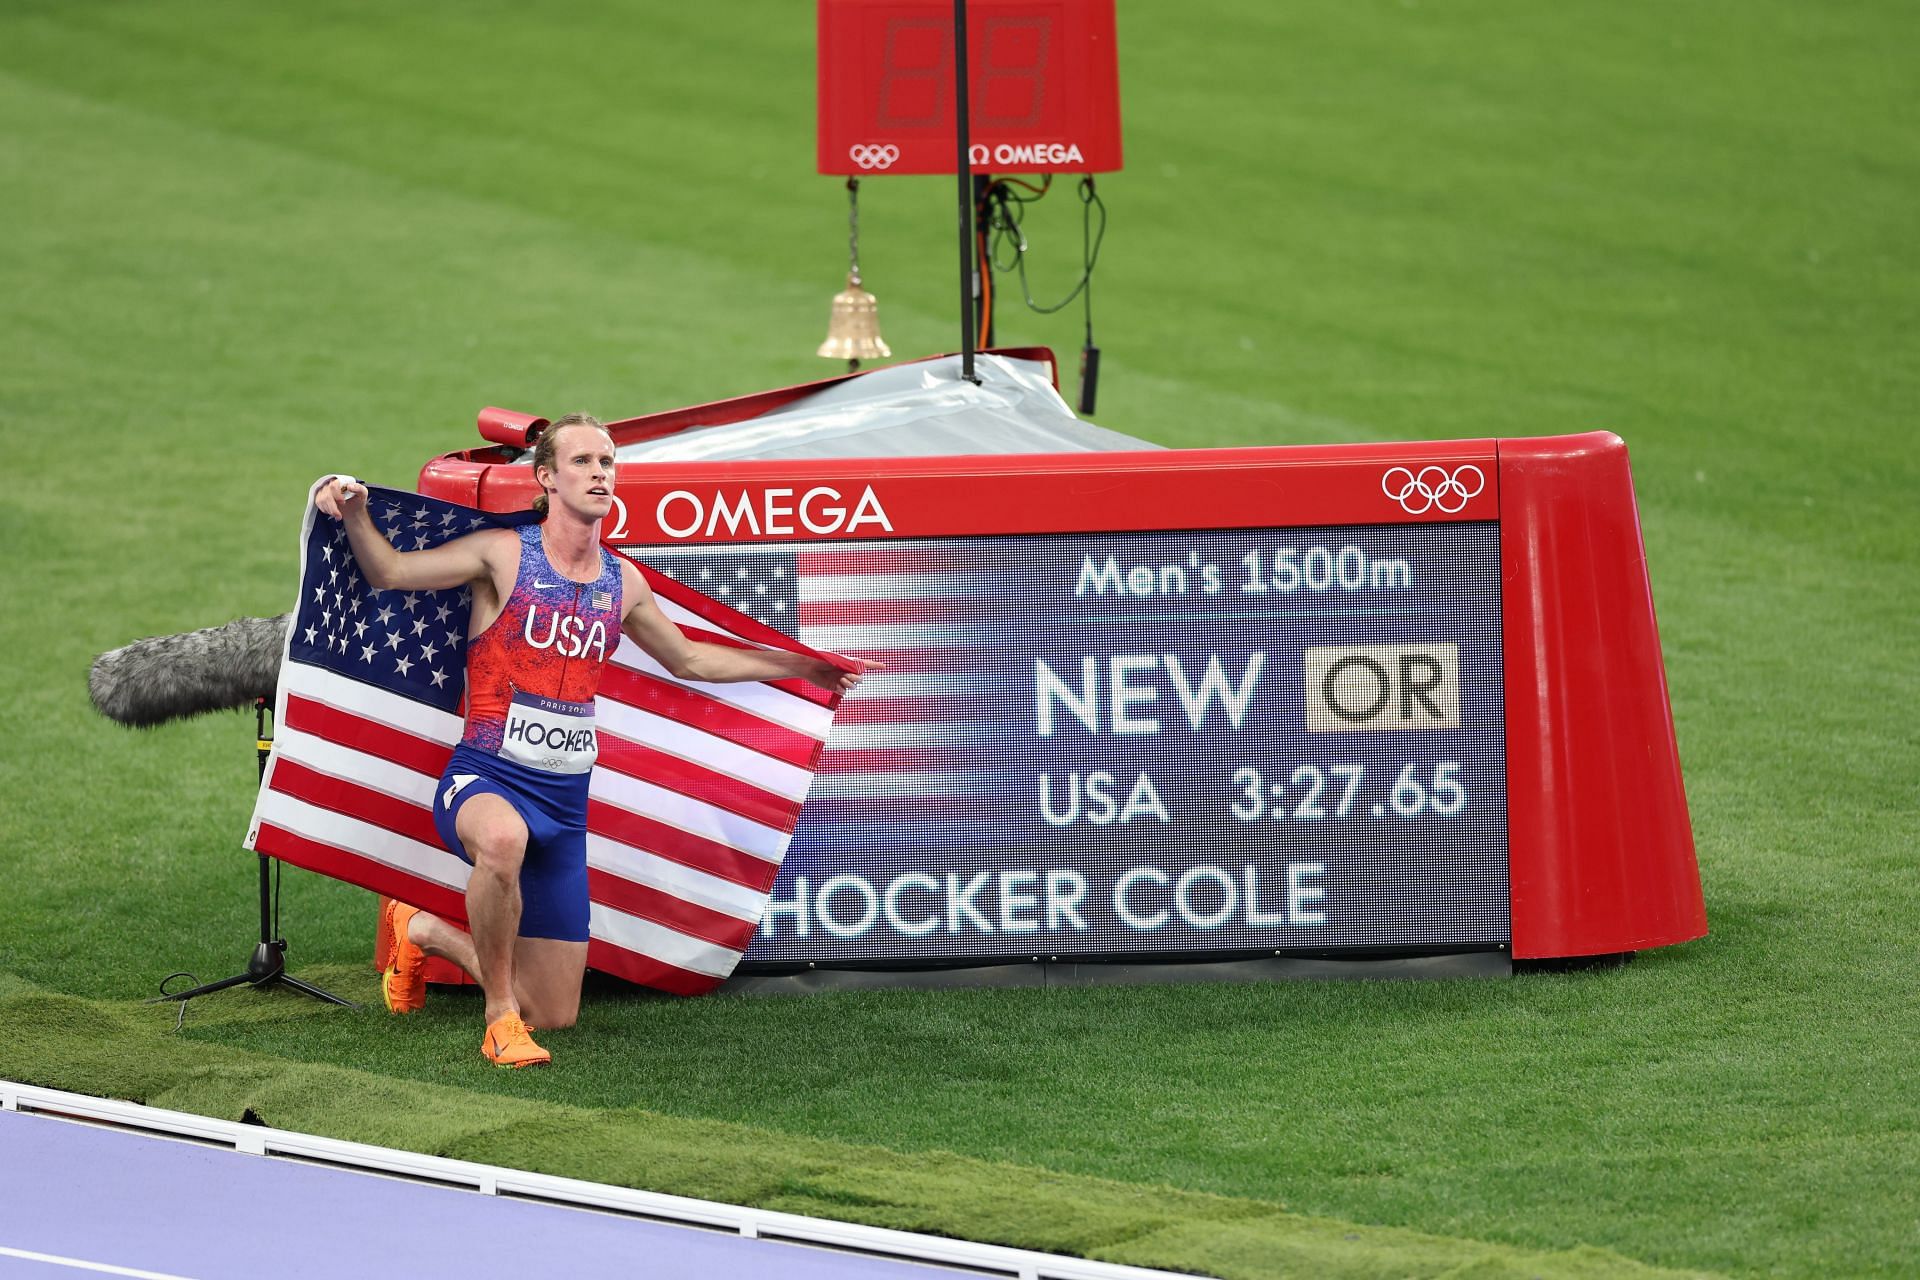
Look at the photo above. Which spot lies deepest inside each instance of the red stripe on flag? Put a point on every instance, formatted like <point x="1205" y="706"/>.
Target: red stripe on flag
<point x="866" y="710"/>
<point x="410" y="751"/>
<point x="697" y="782"/>
<point x="896" y="611"/>
<point x="683" y="847"/>
<point x="886" y="760"/>
<point x="647" y="971"/>
<point x="677" y="914"/>
<point x="343" y="864"/>
<point x="686" y="706"/>
<point x="884" y="810"/>
<point x="402" y="817"/>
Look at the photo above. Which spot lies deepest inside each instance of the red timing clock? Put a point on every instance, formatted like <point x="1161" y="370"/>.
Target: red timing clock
<point x="1044" y="86"/>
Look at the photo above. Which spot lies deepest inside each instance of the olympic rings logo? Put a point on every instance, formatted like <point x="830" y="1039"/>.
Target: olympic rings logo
<point x="869" y="157"/>
<point x="1432" y="488"/>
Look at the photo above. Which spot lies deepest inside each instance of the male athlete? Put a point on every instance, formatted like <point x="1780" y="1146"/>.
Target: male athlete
<point x="548" y="602"/>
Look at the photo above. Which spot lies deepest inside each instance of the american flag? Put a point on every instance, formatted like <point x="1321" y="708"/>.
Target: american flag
<point x="692" y="803"/>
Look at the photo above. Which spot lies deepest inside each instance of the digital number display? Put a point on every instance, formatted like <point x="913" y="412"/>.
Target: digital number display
<point x="1219" y="742"/>
<point x="1043" y="88"/>
<point x="1008" y="88"/>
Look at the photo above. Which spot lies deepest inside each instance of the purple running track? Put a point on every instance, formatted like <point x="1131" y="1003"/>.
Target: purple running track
<point x="130" y="1202"/>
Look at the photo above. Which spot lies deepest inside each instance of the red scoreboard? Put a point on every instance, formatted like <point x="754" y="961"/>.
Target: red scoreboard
<point x="1044" y="86"/>
<point x="1336" y="701"/>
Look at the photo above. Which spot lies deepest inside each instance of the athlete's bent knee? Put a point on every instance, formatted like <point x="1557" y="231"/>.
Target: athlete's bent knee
<point x="494" y="835"/>
<point x="498" y="852"/>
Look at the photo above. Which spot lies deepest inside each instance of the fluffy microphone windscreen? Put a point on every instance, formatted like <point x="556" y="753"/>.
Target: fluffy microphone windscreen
<point x="150" y="682"/>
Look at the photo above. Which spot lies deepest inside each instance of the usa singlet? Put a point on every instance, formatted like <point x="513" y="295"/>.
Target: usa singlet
<point x="532" y="675"/>
<point x="530" y="738"/>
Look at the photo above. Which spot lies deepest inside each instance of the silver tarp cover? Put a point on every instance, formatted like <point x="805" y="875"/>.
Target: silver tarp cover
<point x="907" y="411"/>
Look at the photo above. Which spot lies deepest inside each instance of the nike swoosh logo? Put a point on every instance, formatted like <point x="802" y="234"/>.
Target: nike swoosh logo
<point x="544" y="586"/>
<point x="453" y="788"/>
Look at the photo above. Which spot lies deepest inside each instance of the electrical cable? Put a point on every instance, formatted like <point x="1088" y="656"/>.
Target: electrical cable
<point x="166" y="995"/>
<point x="986" y="290"/>
<point x="1005" y="212"/>
<point x="1089" y="247"/>
<point x="1046" y="182"/>
<point x="1089" y="254"/>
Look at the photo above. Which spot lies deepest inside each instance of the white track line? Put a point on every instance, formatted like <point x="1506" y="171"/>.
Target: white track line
<point x="81" y="1264"/>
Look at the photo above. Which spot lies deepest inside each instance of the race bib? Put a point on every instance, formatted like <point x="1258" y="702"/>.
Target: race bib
<point x="550" y="735"/>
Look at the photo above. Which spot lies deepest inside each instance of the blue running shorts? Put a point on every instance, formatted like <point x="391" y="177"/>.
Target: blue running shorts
<point x="553" y="876"/>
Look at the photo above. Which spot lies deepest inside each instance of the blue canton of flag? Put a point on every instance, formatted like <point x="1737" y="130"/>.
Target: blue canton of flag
<point x="409" y="643"/>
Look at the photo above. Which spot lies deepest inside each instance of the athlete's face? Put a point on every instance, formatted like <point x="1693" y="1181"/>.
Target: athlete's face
<point x="581" y="478"/>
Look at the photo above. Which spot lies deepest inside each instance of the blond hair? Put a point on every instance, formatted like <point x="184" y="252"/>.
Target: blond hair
<point x="546" y="448"/>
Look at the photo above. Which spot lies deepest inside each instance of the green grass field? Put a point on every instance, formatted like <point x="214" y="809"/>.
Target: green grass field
<point x="241" y="245"/>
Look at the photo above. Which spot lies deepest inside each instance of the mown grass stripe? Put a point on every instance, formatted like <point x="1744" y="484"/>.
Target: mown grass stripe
<point x="133" y="1055"/>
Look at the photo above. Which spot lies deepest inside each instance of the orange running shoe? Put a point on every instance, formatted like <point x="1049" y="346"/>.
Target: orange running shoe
<point x="404" y="982"/>
<point x="509" y="1043"/>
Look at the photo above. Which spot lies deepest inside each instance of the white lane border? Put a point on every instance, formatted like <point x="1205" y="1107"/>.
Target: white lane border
<point x="742" y="1220"/>
<point x="81" y="1264"/>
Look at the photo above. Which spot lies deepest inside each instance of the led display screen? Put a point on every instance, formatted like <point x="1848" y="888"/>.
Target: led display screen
<point x="1170" y="743"/>
<point x="1043" y="87"/>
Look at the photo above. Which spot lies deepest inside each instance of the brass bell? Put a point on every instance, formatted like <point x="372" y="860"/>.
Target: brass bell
<point x="853" y="333"/>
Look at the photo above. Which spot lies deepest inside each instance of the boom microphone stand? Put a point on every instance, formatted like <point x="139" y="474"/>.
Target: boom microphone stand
<point x="268" y="964"/>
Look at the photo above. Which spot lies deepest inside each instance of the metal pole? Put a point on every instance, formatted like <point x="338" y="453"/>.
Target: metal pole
<point x="965" y="171"/>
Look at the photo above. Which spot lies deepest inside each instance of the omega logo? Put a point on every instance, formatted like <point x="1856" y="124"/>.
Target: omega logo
<point x="769" y="513"/>
<point x="1029" y="153"/>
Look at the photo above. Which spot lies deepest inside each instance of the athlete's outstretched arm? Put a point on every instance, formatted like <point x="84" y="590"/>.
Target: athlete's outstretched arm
<point x="688" y="659"/>
<point x="451" y="564"/>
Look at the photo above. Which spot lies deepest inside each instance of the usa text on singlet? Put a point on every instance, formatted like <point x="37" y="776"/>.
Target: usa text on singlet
<point x="533" y="673"/>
